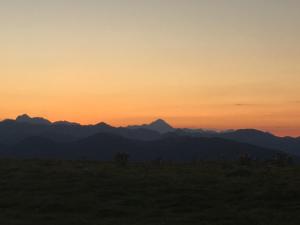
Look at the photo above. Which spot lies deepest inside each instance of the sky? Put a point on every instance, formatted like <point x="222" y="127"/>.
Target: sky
<point x="222" y="64"/>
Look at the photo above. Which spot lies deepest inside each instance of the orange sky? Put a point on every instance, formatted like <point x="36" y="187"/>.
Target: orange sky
<point x="207" y="64"/>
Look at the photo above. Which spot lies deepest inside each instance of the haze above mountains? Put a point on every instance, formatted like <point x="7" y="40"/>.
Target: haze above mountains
<point x="38" y="137"/>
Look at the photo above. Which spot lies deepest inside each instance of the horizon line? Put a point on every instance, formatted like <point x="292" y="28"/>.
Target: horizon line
<point x="142" y="124"/>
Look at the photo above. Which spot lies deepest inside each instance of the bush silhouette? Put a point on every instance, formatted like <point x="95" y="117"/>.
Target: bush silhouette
<point x="245" y="159"/>
<point x="282" y="159"/>
<point x="121" y="158"/>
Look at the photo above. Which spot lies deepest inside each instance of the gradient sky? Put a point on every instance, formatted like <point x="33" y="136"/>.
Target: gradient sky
<point x="196" y="63"/>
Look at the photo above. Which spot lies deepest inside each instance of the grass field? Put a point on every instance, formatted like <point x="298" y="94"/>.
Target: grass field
<point x="34" y="192"/>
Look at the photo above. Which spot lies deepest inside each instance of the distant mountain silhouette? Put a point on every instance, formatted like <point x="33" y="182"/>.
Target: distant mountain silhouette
<point x="35" y="147"/>
<point x="159" y="125"/>
<point x="103" y="146"/>
<point x="13" y="132"/>
<point x="3" y="149"/>
<point x="251" y="136"/>
<point x="65" y="123"/>
<point x="264" y="139"/>
<point x="35" y="120"/>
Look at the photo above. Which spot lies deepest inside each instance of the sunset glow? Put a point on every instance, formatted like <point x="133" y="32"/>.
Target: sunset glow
<point x="199" y="64"/>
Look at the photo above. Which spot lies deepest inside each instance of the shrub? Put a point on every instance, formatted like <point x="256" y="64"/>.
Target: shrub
<point x="121" y="158"/>
<point x="245" y="159"/>
<point x="282" y="159"/>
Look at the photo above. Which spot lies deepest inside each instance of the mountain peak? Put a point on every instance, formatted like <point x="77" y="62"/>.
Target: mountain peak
<point x="158" y="125"/>
<point x="159" y="121"/>
<point x="33" y="120"/>
<point x="23" y="117"/>
<point x="161" y="126"/>
<point x="103" y="124"/>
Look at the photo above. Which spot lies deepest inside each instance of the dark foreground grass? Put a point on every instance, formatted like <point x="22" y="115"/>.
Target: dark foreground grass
<point x="34" y="192"/>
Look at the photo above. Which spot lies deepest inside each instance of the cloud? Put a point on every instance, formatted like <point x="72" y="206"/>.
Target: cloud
<point x="244" y="104"/>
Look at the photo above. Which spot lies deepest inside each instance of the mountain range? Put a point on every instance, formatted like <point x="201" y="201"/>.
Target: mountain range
<point x="39" y="138"/>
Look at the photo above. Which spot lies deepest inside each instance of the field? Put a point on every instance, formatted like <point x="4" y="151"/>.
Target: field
<point x="36" y="192"/>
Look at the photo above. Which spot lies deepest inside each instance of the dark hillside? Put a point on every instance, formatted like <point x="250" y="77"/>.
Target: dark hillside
<point x="85" y="192"/>
<point x="103" y="146"/>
